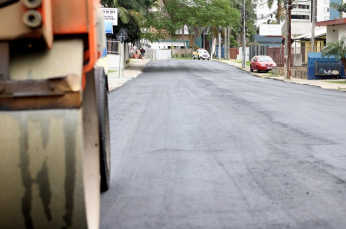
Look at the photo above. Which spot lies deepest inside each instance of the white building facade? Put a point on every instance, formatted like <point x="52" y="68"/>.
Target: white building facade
<point x="301" y="10"/>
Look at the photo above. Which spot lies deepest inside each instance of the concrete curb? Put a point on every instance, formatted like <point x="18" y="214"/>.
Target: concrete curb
<point x="323" y="85"/>
<point x="133" y="70"/>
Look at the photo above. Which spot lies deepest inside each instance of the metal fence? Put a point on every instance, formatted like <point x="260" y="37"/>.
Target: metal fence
<point x="233" y="52"/>
<point x="113" y="47"/>
<point x="277" y="53"/>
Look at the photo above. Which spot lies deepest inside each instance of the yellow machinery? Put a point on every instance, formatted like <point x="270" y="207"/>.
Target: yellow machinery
<point x="54" y="133"/>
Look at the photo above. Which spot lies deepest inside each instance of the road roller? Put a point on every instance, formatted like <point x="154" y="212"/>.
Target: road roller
<point x="54" y="125"/>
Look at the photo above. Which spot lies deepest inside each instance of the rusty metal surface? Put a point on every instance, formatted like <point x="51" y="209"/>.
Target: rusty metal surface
<point x="42" y="169"/>
<point x="4" y="61"/>
<point x="67" y="101"/>
<point x="4" y="3"/>
<point x="72" y="19"/>
<point x="65" y="58"/>
<point x="59" y="92"/>
<point x="30" y="88"/>
<point x="17" y="29"/>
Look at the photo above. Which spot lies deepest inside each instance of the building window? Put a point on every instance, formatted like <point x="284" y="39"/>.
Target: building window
<point x="300" y="17"/>
<point x="300" y="6"/>
<point x="326" y="9"/>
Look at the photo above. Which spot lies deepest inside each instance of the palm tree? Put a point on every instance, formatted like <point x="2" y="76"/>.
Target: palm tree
<point x="336" y="49"/>
<point x="128" y="7"/>
<point x="341" y="7"/>
<point x="279" y="10"/>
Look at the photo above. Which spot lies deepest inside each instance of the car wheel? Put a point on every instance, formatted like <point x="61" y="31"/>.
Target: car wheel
<point x="258" y="69"/>
<point x="194" y="57"/>
<point x="251" y="70"/>
<point x="208" y="58"/>
<point x="198" y="58"/>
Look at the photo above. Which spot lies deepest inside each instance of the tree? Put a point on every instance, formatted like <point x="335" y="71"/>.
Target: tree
<point x="341" y="7"/>
<point x="280" y="10"/>
<point x="129" y="7"/>
<point x="336" y="49"/>
<point x="133" y="30"/>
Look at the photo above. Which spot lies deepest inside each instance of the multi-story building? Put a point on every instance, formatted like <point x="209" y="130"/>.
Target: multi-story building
<point x="301" y="10"/>
<point x="262" y="11"/>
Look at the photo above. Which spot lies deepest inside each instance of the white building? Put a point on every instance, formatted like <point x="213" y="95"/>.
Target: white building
<point x="262" y="11"/>
<point x="301" y="11"/>
<point x="323" y="10"/>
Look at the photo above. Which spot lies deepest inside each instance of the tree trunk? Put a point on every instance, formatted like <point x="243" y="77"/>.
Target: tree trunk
<point x="184" y="41"/>
<point x="279" y="12"/>
<point x="213" y="44"/>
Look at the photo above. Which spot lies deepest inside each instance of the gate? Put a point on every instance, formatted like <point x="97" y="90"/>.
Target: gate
<point x="277" y="54"/>
<point x="233" y="53"/>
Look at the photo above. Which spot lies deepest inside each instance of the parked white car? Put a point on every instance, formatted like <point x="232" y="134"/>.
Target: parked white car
<point x="201" y="54"/>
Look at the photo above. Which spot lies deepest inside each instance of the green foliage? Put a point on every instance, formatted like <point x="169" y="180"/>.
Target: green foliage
<point x="335" y="49"/>
<point x="252" y="43"/>
<point x="129" y="7"/>
<point x="195" y="14"/>
<point x="194" y="47"/>
<point x="233" y="43"/>
<point x="341" y="7"/>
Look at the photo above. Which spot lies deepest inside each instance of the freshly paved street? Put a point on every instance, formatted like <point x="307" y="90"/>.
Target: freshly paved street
<point x="201" y="144"/>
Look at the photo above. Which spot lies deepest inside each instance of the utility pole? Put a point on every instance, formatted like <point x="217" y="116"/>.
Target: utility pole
<point x="220" y="30"/>
<point x="244" y="41"/>
<point x="288" y="40"/>
<point x="229" y="43"/>
<point x="225" y="42"/>
<point x="313" y="8"/>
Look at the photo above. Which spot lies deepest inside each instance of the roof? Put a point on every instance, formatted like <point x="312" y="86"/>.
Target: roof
<point x="319" y="33"/>
<point x="267" y="39"/>
<point x="299" y="28"/>
<point x="339" y="21"/>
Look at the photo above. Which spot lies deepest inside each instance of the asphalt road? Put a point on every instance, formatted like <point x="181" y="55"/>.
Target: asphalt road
<point x="201" y="144"/>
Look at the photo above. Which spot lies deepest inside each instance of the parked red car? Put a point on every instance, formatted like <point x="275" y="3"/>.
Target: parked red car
<point x="262" y="63"/>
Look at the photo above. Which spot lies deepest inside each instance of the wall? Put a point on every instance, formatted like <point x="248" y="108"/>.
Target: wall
<point x="114" y="59"/>
<point x="162" y="54"/>
<point x="334" y="33"/>
<point x="181" y="51"/>
<point x="239" y="56"/>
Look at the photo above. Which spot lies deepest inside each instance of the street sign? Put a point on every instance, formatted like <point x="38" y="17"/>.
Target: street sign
<point x="110" y="14"/>
<point x="121" y="35"/>
<point x="283" y="41"/>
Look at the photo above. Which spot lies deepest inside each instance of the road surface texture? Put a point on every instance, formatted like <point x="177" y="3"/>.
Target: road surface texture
<point x="200" y="144"/>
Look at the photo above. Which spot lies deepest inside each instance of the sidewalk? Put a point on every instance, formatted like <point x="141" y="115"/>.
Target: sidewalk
<point x="319" y="83"/>
<point x="134" y="68"/>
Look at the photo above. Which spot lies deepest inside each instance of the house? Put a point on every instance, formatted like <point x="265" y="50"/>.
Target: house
<point x="336" y="28"/>
<point x="302" y="43"/>
<point x="274" y="41"/>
